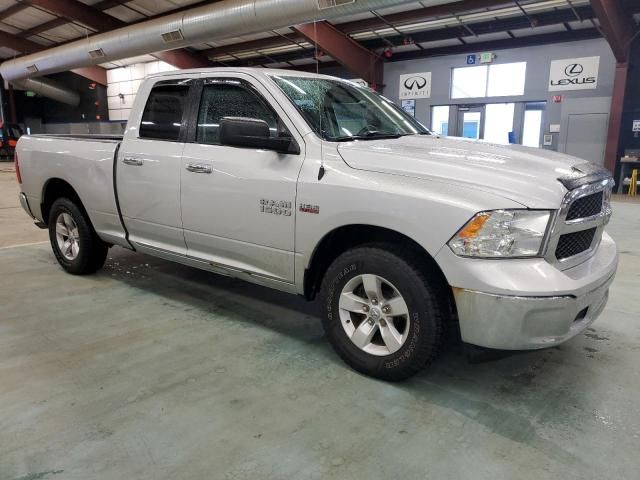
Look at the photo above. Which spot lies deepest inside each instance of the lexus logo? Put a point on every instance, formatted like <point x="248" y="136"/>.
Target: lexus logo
<point x="573" y="70"/>
<point x="415" y="82"/>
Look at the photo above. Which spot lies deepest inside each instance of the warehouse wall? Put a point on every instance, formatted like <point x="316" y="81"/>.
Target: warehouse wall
<point x="538" y="60"/>
<point x="123" y="84"/>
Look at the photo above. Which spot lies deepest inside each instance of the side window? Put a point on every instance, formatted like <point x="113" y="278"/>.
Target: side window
<point x="221" y="100"/>
<point x="162" y="116"/>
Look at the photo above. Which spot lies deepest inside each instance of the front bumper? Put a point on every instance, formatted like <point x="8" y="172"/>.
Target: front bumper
<point x="528" y="304"/>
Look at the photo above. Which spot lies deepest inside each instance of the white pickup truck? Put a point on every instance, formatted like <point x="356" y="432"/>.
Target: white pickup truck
<point x="315" y="186"/>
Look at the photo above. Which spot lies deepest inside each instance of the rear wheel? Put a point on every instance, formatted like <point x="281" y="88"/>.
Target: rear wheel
<point x="381" y="315"/>
<point x="75" y="244"/>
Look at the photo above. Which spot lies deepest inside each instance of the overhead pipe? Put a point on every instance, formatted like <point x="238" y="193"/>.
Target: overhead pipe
<point x="215" y="21"/>
<point x="50" y="89"/>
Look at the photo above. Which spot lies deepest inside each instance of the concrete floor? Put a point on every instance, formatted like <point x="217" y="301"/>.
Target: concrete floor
<point x="156" y="371"/>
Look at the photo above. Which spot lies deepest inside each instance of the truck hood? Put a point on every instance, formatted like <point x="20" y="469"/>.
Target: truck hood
<point x="525" y="175"/>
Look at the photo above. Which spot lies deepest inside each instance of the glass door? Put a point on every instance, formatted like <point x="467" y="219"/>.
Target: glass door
<point x="470" y="122"/>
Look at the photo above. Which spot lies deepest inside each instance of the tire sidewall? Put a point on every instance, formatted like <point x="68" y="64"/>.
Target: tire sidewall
<point x="422" y="338"/>
<point x="85" y="234"/>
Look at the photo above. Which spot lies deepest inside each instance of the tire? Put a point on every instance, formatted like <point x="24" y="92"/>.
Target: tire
<point x="91" y="252"/>
<point x="420" y="328"/>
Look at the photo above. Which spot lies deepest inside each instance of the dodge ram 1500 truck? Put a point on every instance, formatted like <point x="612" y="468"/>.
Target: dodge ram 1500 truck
<point x="315" y="186"/>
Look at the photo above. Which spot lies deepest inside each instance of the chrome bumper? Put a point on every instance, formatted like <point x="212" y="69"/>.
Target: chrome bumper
<point x="528" y="304"/>
<point x="521" y="323"/>
<point x="25" y="204"/>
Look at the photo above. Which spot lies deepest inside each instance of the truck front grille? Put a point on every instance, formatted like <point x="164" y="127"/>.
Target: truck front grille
<point x="571" y="244"/>
<point x="579" y="223"/>
<point x="585" y="207"/>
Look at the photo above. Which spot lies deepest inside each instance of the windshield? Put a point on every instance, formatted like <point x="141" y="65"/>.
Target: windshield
<point x="339" y="111"/>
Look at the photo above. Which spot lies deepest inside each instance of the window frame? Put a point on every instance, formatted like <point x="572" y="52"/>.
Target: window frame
<point x="189" y="83"/>
<point x="487" y="72"/>
<point x="198" y="88"/>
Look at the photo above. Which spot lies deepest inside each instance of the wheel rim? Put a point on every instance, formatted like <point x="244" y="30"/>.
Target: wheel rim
<point x="67" y="236"/>
<point x="374" y="314"/>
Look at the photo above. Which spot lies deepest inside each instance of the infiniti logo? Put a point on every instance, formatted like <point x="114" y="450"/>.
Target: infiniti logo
<point x="415" y="82"/>
<point x="573" y="70"/>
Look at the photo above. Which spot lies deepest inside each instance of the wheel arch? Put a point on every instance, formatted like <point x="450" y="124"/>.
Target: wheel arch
<point x="346" y="237"/>
<point x="56" y="188"/>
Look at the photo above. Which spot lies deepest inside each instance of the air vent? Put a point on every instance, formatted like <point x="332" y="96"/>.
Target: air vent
<point x="171" y="37"/>
<point x="323" y="4"/>
<point x="97" y="53"/>
<point x="32" y="69"/>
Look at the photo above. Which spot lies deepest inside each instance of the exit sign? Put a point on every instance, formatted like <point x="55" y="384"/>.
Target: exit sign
<point x="486" y="57"/>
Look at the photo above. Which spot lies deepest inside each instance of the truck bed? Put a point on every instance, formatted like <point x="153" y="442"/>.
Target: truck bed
<point x="85" y="162"/>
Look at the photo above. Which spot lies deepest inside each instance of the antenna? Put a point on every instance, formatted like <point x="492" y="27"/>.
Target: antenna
<point x="315" y="35"/>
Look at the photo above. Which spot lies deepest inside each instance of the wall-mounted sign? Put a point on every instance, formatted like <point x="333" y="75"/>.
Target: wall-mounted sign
<point x="471" y="59"/>
<point x="636" y="126"/>
<point x="409" y="106"/>
<point x="547" y="139"/>
<point x="486" y="57"/>
<point x="415" y="85"/>
<point x="574" y="74"/>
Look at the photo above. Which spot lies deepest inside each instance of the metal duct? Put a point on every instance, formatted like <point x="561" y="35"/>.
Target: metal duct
<point x="50" y="89"/>
<point x="219" y="20"/>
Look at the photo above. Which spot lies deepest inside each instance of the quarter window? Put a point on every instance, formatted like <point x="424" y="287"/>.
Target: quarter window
<point x="162" y="116"/>
<point x="229" y="99"/>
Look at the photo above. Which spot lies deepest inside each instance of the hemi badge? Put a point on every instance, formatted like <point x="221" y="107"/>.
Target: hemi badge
<point x="308" y="208"/>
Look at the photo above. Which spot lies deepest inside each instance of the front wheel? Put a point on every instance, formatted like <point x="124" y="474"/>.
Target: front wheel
<point x="381" y="314"/>
<point x="75" y="244"/>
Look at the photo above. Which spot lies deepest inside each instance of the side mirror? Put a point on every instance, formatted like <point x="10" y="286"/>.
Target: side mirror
<point x="254" y="133"/>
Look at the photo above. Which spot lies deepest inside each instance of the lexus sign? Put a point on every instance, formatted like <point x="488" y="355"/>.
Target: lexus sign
<point x="574" y="74"/>
<point x="415" y="85"/>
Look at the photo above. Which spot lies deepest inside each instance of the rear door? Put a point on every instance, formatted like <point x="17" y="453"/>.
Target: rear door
<point x="149" y="169"/>
<point x="238" y="204"/>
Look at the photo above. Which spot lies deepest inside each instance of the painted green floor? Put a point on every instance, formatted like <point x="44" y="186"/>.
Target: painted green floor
<point x="157" y="371"/>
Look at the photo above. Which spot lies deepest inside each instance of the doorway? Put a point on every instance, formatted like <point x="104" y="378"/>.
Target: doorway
<point x="470" y="121"/>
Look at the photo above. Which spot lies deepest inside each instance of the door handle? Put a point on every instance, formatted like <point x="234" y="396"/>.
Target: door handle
<point x="132" y="161"/>
<point x="199" y="168"/>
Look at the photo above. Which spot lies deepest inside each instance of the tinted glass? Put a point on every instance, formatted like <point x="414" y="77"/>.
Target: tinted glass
<point x="162" y="117"/>
<point x="229" y="99"/>
<point x="339" y="110"/>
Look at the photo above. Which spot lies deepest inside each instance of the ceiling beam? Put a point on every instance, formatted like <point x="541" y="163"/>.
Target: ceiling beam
<point x="75" y="11"/>
<point x="617" y="26"/>
<point x="350" y="54"/>
<point x="18" y="44"/>
<point x="421" y="14"/>
<point x="94" y="73"/>
<point x="12" y="10"/>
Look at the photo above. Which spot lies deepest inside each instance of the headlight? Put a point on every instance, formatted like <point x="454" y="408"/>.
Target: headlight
<point x="502" y="234"/>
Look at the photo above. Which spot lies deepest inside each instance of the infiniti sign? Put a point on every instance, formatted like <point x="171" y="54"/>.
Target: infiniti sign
<point x="416" y="82"/>
<point x="415" y="85"/>
<point x="574" y="74"/>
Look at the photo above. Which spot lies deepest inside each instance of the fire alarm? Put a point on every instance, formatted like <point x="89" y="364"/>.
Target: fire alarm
<point x="557" y="98"/>
<point x="388" y="53"/>
<point x="92" y="86"/>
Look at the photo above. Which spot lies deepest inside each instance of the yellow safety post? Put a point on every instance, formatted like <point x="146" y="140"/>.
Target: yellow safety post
<point x="633" y="185"/>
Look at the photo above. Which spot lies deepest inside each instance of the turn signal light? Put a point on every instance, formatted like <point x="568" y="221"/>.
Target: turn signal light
<point x="472" y="228"/>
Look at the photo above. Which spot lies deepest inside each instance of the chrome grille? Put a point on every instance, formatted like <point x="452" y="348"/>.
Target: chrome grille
<point x="585" y="207"/>
<point x="571" y="244"/>
<point x="579" y="224"/>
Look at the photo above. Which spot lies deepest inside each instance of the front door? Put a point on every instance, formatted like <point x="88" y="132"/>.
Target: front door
<point x="149" y="168"/>
<point x="471" y="122"/>
<point x="238" y="204"/>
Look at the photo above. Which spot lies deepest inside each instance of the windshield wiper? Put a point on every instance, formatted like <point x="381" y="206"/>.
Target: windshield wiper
<point x="368" y="136"/>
